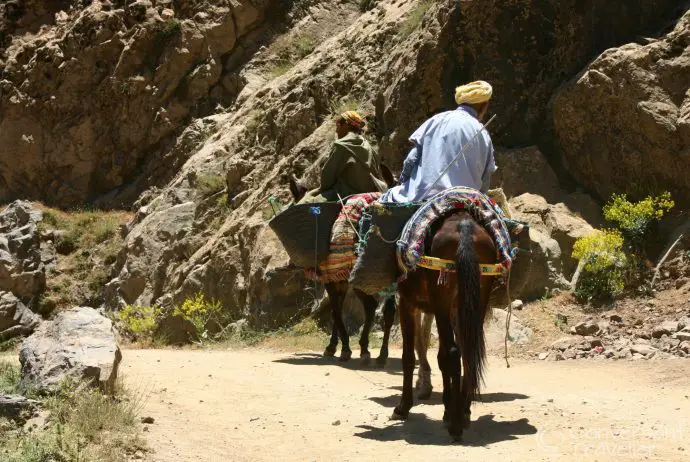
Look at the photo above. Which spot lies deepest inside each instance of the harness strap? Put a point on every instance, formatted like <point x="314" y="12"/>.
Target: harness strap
<point x="439" y="264"/>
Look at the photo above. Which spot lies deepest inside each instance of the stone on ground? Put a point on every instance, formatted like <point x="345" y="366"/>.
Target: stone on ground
<point x="80" y="343"/>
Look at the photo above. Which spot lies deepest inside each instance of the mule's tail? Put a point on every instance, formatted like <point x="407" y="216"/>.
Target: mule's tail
<point x="470" y="328"/>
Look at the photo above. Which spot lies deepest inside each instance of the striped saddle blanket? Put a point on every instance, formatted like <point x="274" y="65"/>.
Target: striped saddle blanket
<point x="483" y="209"/>
<point x="341" y="252"/>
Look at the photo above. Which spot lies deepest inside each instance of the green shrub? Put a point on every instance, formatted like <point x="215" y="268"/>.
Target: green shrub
<point x="170" y="30"/>
<point x="604" y="263"/>
<point x="634" y="219"/>
<point x="67" y="243"/>
<point x="139" y="321"/>
<point x="50" y="218"/>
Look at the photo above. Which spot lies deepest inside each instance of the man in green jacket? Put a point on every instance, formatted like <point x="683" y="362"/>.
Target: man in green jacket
<point x="351" y="167"/>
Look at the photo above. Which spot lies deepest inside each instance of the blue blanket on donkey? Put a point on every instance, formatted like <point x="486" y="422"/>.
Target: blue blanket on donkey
<point x="483" y="209"/>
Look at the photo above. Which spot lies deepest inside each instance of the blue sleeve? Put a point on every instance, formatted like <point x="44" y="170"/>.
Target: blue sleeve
<point x="411" y="162"/>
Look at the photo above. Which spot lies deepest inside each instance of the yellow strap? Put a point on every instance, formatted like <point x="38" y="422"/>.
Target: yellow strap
<point x="438" y="264"/>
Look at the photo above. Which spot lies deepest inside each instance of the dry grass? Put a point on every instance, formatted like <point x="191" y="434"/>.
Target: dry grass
<point x="83" y="425"/>
<point x="348" y="103"/>
<point x="87" y="245"/>
<point x="289" y="49"/>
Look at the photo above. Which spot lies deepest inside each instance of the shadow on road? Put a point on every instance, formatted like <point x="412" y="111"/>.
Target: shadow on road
<point x="393" y="365"/>
<point x="437" y="398"/>
<point x="418" y="429"/>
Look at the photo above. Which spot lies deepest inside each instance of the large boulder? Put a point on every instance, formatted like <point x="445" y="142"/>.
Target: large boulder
<point x="79" y="344"/>
<point x="525" y="48"/>
<point x="556" y="221"/>
<point x="15" y="318"/>
<point x="21" y="267"/>
<point x="623" y="125"/>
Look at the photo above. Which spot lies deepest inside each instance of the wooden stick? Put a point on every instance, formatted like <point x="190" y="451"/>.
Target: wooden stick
<point x="657" y="269"/>
<point x="576" y="276"/>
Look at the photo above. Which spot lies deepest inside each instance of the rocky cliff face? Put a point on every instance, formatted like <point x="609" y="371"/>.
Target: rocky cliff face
<point x="217" y="103"/>
<point x="636" y="103"/>
<point x="93" y="94"/>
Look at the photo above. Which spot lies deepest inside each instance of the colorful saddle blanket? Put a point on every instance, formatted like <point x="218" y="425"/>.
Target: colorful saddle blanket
<point x="484" y="210"/>
<point x="341" y="252"/>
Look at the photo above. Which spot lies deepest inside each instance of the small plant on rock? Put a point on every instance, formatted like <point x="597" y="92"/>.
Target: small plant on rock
<point x="209" y="184"/>
<point x="170" y="29"/>
<point x="202" y="314"/>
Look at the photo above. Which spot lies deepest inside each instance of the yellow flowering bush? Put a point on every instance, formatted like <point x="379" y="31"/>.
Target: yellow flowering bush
<point x="139" y="321"/>
<point x="634" y="218"/>
<point x="199" y="312"/>
<point x="600" y="250"/>
<point x="604" y="260"/>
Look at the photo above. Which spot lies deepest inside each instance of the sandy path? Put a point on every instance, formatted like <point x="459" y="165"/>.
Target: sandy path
<point x="263" y="405"/>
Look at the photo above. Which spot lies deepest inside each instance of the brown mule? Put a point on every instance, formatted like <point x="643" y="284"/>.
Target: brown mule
<point x="459" y="306"/>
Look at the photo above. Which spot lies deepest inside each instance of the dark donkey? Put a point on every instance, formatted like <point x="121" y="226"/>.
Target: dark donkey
<point x="338" y="291"/>
<point x="460" y="307"/>
<point x="336" y="296"/>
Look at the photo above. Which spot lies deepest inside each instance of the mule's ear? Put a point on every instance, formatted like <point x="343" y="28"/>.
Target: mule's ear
<point x="294" y="189"/>
<point x="388" y="176"/>
<point x="297" y="190"/>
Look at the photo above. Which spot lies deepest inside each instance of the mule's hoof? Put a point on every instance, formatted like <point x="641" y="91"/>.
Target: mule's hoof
<point x="455" y="433"/>
<point x="399" y="415"/>
<point x="328" y="353"/>
<point x="366" y="358"/>
<point x="345" y="355"/>
<point x="424" y="392"/>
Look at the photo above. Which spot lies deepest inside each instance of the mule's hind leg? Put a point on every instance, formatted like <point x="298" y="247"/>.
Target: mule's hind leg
<point x="449" y="360"/>
<point x="333" y="343"/>
<point x="423" y="323"/>
<point x="388" y="319"/>
<point x="444" y="365"/>
<point x="336" y="295"/>
<point x="369" y="304"/>
<point x="407" y="325"/>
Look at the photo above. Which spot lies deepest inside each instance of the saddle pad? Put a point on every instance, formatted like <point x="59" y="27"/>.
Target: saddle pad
<point x="485" y="211"/>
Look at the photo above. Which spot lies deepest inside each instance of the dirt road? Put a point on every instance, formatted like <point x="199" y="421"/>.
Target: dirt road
<point x="264" y="405"/>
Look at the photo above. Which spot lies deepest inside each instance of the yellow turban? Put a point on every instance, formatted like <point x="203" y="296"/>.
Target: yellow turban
<point x="354" y="119"/>
<point x="473" y="93"/>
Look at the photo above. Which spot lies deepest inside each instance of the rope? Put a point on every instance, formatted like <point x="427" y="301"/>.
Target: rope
<point x="508" y="316"/>
<point x="316" y="211"/>
<point x="342" y="204"/>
